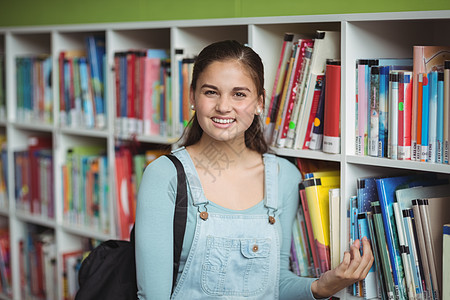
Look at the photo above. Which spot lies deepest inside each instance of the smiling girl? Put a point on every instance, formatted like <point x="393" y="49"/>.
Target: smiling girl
<point x="242" y="200"/>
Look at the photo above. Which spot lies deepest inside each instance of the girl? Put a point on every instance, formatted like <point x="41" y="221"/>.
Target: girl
<point x="242" y="201"/>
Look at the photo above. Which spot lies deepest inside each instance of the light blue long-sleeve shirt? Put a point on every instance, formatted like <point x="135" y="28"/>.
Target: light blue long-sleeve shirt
<point x="154" y="229"/>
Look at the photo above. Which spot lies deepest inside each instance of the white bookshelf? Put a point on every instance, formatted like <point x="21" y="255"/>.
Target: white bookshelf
<point x="372" y="35"/>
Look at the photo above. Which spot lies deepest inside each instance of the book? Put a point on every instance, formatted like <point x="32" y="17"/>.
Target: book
<point x="317" y="189"/>
<point x="393" y="117"/>
<point x="385" y="262"/>
<point x="423" y="77"/>
<point x="317" y="130"/>
<point x="440" y="119"/>
<point x="374" y="110"/>
<point x="382" y="292"/>
<point x="446" y="261"/>
<point x="362" y="70"/>
<point x="404" y="115"/>
<point x="446" y="108"/>
<point x="332" y="109"/>
<point x="369" y="284"/>
<point x="404" y="251"/>
<point x="309" y="227"/>
<point x="312" y="113"/>
<point x="334" y="198"/>
<point x="432" y="116"/>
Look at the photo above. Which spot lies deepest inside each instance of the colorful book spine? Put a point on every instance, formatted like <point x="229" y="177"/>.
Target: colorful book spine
<point x="370" y="282"/>
<point x="432" y="116"/>
<point x="425" y="116"/>
<point x="393" y="117"/>
<point x="361" y="139"/>
<point x="419" y="116"/>
<point x="410" y="241"/>
<point x="383" y="250"/>
<point x="383" y="111"/>
<point x="446" y="130"/>
<point x="440" y="119"/>
<point x="332" y="109"/>
<point x="404" y="251"/>
<point x="374" y="107"/>
<point x="404" y="116"/>
<point x="317" y="131"/>
<point x="278" y="86"/>
<point x="446" y="261"/>
<point x="313" y="111"/>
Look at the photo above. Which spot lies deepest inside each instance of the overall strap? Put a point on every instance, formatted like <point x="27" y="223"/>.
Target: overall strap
<point x="271" y="181"/>
<point x="193" y="180"/>
<point x="180" y="215"/>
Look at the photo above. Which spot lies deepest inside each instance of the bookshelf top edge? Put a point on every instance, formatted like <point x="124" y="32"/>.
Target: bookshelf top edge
<point x="168" y="24"/>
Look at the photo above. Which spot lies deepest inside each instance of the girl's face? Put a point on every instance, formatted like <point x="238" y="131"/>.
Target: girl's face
<point x="225" y="100"/>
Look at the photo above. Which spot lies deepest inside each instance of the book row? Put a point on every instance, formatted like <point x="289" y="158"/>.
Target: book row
<point x="34" y="89"/>
<point x="304" y="107"/>
<point x="82" y="84"/>
<point x="402" y="106"/>
<point x="403" y="217"/>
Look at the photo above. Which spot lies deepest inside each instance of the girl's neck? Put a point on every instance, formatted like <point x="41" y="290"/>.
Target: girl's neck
<point x="232" y="153"/>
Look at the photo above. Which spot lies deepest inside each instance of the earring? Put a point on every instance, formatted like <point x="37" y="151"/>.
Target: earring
<point x="258" y="111"/>
<point x="192" y="107"/>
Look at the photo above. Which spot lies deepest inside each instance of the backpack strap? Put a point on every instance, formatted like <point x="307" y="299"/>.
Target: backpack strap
<point x="179" y="218"/>
<point x="180" y="215"/>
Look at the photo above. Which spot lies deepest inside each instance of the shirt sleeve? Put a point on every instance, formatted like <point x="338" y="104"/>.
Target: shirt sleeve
<point x="154" y="226"/>
<point x="291" y="285"/>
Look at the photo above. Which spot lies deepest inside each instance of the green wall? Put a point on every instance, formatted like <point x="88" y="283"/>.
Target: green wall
<point x="43" y="12"/>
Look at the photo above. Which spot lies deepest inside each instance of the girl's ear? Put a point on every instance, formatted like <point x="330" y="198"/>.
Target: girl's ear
<point x="191" y="98"/>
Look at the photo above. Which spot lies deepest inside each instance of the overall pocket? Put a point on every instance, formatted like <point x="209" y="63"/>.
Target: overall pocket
<point x="236" y="267"/>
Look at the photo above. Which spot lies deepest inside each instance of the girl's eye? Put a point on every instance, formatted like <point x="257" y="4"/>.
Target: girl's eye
<point x="240" y="95"/>
<point x="210" y="92"/>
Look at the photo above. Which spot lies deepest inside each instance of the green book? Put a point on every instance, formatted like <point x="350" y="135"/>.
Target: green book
<point x="383" y="250"/>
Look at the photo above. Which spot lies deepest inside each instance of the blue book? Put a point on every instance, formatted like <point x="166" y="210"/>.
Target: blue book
<point x="440" y="119"/>
<point x="383" y="111"/>
<point x="425" y="109"/>
<point x="366" y="189"/>
<point x="370" y="282"/>
<point x="386" y="193"/>
<point x="432" y="116"/>
<point x="87" y="101"/>
<point x="123" y="93"/>
<point x="95" y="55"/>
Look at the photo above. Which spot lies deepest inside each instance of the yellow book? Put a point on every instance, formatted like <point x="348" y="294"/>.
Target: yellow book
<point x="317" y="195"/>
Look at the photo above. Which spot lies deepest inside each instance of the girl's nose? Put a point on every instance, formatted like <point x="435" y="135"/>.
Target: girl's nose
<point x="223" y="104"/>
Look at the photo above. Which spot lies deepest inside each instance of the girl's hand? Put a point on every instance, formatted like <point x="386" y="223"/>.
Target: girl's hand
<point x="353" y="268"/>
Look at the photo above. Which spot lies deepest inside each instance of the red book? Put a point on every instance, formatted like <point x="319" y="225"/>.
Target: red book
<point x="313" y="111"/>
<point x="117" y="83"/>
<point x="404" y="115"/>
<point x="35" y="144"/>
<point x="311" y="241"/>
<point x="331" y="130"/>
<point x="131" y="77"/>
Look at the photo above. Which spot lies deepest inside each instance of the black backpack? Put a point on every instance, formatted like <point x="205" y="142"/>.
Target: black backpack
<point x="109" y="271"/>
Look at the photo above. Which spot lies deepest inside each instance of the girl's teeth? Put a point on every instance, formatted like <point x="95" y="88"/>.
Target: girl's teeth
<point x="223" y="121"/>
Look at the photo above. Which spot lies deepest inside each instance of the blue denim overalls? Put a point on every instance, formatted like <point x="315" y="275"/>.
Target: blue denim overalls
<point x="233" y="256"/>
